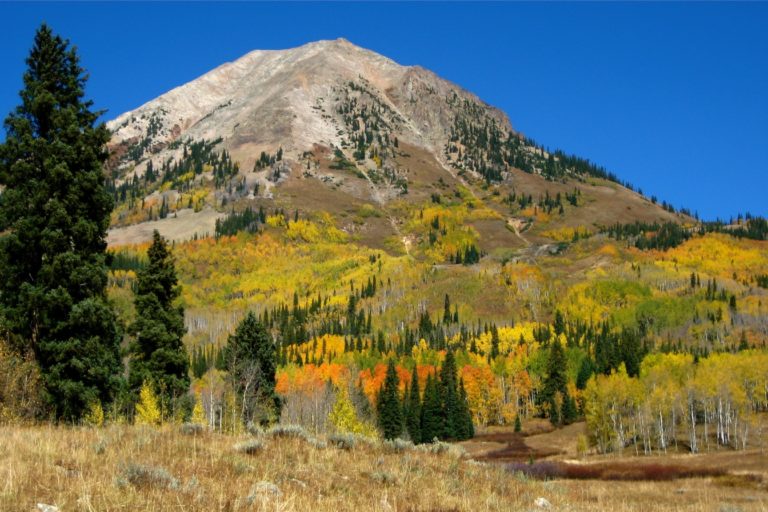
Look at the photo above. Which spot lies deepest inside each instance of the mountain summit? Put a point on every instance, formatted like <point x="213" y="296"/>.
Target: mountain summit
<point x="357" y="125"/>
<point x="300" y="97"/>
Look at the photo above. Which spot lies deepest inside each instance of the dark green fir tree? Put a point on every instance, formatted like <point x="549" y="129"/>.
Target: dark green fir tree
<point x="157" y="353"/>
<point x="250" y="358"/>
<point x="555" y="382"/>
<point x="449" y="398"/>
<point x="465" y="429"/>
<point x="388" y="405"/>
<point x="54" y="214"/>
<point x="413" y="409"/>
<point x="432" y="422"/>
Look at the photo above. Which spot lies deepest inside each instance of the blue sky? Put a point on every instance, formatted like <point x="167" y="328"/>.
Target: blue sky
<point x="672" y="97"/>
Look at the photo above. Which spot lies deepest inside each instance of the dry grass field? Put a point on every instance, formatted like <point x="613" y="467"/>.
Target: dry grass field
<point x="142" y="469"/>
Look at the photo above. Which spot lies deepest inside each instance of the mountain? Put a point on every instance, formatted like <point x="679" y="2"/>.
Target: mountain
<point x="369" y="212"/>
<point x="330" y="126"/>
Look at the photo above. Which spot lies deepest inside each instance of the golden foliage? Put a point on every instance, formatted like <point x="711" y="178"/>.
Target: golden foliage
<point x="148" y="407"/>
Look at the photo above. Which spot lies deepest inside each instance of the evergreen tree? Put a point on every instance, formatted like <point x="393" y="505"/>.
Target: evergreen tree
<point x="250" y="357"/>
<point x="555" y="381"/>
<point x="432" y="423"/>
<point x="388" y="405"/>
<point x="465" y="429"/>
<point x="559" y="325"/>
<point x="413" y="409"/>
<point x="54" y="214"/>
<point x="494" y="343"/>
<point x="449" y="397"/>
<point x="157" y="353"/>
<point x="569" y="409"/>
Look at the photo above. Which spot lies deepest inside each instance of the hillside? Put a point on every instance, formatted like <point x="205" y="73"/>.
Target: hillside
<point x="332" y="127"/>
<point x="368" y="211"/>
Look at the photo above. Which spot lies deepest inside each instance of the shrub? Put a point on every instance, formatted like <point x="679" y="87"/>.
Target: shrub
<point x="398" y="445"/>
<point x="317" y="443"/>
<point x="383" y="477"/>
<point x="20" y="386"/>
<point x="441" y="447"/>
<point x="254" y="429"/>
<point x="251" y="447"/>
<point x="191" y="429"/>
<point x="141" y="476"/>
<point x="343" y="441"/>
<point x="288" y="431"/>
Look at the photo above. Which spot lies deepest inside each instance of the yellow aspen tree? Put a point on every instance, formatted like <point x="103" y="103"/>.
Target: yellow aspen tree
<point x="198" y="413"/>
<point x="94" y="415"/>
<point x="148" y="408"/>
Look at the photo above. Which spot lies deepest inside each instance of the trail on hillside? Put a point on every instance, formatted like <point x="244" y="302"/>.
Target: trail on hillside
<point x="515" y="224"/>
<point x="376" y="196"/>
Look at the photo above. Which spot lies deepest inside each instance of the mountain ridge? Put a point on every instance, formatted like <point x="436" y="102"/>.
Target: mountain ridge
<point x="357" y="123"/>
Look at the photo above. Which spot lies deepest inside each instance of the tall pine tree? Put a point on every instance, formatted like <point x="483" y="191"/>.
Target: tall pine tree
<point x="555" y="391"/>
<point x="157" y="353"/>
<point x="54" y="214"/>
<point x="465" y="429"/>
<point x="413" y="409"/>
<point x="432" y="419"/>
<point x="449" y="398"/>
<point x="251" y="360"/>
<point x="388" y="405"/>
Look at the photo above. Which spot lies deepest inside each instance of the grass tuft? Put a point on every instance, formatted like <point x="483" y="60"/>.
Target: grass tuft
<point x="251" y="447"/>
<point x="143" y="476"/>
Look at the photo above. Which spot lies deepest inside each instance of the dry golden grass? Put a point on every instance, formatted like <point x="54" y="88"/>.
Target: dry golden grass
<point x="140" y="469"/>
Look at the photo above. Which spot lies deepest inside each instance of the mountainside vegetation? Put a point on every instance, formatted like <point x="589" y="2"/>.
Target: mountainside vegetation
<point x="384" y="290"/>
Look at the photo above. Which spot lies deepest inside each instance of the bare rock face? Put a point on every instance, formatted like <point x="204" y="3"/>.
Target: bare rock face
<point x="294" y="99"/>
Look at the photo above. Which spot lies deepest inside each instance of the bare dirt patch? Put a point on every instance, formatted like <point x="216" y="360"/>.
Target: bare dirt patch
<point x="183" y="225"/>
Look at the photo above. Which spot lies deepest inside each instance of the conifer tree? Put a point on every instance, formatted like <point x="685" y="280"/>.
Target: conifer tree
<point x="388" y="405"/>
<point x="449" y="397"/>
<point x="494" y="343"/>
<point x="54" y="214"/>
<point x="157" y="353"/>
<point x="432" y="422"/>
<point x="250" y="357"/>
<point x="413" y="409"/>
<point x="569" y="409"/>
<point x="555" y="381"/>
<point x="465" y="429"/>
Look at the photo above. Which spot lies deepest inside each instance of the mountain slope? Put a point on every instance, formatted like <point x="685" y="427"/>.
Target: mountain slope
<point x="330" y="126"/>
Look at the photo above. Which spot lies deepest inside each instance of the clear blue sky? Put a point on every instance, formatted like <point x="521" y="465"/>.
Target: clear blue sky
<point x="671" y="97"/>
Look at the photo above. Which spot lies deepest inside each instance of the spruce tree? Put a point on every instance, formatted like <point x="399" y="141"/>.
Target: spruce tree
<point x="388" y="405"/>
<point x="54" y="214"/>
<point x="555" y="381"/>
<point x="449" y="398"/>
<point x="250" y="357"/>
<point x="569" y="410"/>
<point x="432" y="422"/>
<point x="465" y="429"/>
<point x="157" y="353"/>
<point x="494" y="343"/>
<point x="413" y="414"/>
